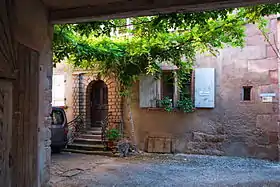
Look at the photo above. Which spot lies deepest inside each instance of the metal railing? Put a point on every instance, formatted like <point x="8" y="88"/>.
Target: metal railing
<point x="76" y="126"/>
<point x="104" y="128"/>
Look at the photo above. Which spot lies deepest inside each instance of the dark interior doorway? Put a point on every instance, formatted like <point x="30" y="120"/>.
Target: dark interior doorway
<point x="98" y="103"/>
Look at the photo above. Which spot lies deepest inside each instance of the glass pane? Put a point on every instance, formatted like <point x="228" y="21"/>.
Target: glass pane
<point x="168" y="85"/>
<point x="57" y="117"/>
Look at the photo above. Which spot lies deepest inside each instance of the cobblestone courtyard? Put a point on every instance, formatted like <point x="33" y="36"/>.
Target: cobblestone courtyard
<point x="77" y="170"/>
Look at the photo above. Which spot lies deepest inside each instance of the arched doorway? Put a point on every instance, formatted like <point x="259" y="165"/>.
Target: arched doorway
<point x="98" y="102"/>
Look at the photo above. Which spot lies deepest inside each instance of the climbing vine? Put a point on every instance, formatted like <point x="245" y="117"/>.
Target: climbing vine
<point x="145" y="41"/>
<point x="128" y="50"/>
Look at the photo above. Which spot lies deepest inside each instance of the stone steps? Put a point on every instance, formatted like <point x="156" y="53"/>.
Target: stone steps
<point x="86" y="147"/>
<point x="92" y="132"/>
<point x="94" y="129"/>
<point x="91" y="136"/>
<point x="102" y="153"/>
<point x="89" y="142"/>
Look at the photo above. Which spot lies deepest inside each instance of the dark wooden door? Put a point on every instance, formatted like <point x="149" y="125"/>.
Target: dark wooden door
<point x="99" y="103"/>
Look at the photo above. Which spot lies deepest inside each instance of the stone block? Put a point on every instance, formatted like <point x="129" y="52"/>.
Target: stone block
<point x="271" y="51"/>
<point x="255" y="40"/>
<point x="204" y="148"/>
<point x="236" y="149"/>
<point x="267" y="123"/>
<point x="262" y="138"/>
<point x="262" y="65"/>
<point x="252" y="30"/>
<point x="269" y="152"/>
<point x="273" y="75"/>
<point x="203" y="137"/>
<point x="271" y="88"/>
<point x="273" y="138"/>
<point x="252" y="52"/>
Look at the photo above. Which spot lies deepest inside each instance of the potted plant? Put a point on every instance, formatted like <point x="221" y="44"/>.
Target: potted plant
<point x="112" y="135"/>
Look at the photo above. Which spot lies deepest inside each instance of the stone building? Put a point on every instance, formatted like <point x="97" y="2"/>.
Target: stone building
<point x="236" y="95"/>
<point x="26" y="30"/>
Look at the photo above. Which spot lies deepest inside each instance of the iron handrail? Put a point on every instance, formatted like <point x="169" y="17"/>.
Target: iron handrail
<point x="76" y="125"/>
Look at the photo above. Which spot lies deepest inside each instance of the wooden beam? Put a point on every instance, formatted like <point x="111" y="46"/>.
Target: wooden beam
<point x="141" y="8"/>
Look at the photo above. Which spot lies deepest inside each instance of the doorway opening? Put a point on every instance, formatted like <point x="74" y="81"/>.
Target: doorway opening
<point x="98" y="98"/>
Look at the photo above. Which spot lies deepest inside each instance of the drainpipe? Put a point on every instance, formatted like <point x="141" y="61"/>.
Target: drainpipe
<point x="278" y="59"/>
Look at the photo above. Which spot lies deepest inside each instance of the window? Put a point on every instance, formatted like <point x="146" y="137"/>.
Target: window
<point x="246" y="93"/>
<point x="57" y="117"/>
<point x="151" y="89"/>
<point x="167" y="84"/>
<point x="187" y="87"/>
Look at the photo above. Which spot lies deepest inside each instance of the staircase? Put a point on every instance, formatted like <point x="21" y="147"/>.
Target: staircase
<point x="89" y="142"/>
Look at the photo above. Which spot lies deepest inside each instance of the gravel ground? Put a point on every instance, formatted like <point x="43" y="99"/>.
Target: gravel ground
<point x="77" y="170"/>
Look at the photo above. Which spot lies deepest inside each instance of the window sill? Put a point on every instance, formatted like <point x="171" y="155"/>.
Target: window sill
<point x="247" y="102"/>
<point x="176" y="110"/>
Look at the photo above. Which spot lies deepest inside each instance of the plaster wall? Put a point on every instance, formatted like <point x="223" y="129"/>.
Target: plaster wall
<point x="234" y="127"/>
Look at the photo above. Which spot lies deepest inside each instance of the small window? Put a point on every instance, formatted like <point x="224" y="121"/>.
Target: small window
<point x="167" y="85"/>
<point x="247" y="93"/>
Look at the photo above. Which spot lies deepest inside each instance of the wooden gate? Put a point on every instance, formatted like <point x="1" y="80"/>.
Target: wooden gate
<point x="5" y="132"/>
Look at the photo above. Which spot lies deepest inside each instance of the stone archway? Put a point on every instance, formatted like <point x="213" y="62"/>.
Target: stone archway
<point x="82" y="102"/>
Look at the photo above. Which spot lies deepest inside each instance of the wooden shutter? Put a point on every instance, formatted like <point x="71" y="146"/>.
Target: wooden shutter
<point x="58" y="90"/>
<point x="149" y="91"/>
<point x="205" y="88"/>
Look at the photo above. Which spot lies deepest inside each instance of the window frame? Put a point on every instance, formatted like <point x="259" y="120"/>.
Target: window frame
<point x="251" y="94"/>
<point x="175" y="87"/>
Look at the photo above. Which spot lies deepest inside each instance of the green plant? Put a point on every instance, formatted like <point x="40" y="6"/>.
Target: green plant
<point x="166" y="103"/>
<point x="185" y="104"/>
<point x="113" y="134"/>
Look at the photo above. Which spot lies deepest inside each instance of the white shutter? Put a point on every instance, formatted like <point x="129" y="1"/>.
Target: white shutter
<point x="205" y="88"/>
<point x="58" y="92"/>
<point x="148" y="91"/>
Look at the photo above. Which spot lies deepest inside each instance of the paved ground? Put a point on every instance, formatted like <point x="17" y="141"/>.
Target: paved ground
<point x="77" y="170"/>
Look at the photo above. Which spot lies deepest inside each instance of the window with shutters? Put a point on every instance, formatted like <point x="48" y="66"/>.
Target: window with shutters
<point x="203" y="86"/>
<point x="152" y="90"/>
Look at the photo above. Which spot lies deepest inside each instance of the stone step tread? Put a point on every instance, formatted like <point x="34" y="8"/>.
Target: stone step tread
<point x="89" y="139"/>
<point x="86" y="145"/>
<point x="94" y="128"/>
<point x="104" y="153"/>
<point x="92" y="135"/>
<point x="89" y="131"/>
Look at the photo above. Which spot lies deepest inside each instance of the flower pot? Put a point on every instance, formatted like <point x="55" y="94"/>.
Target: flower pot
<point x="111" y="145"/>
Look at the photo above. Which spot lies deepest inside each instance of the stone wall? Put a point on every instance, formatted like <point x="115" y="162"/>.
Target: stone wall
<point x="26" y="32"/>
<point x="234" y="127"/>
<point x="78" y="98"/>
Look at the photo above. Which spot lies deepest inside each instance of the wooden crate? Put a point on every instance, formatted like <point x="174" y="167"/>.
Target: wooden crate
<point x="159" y="145"/>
